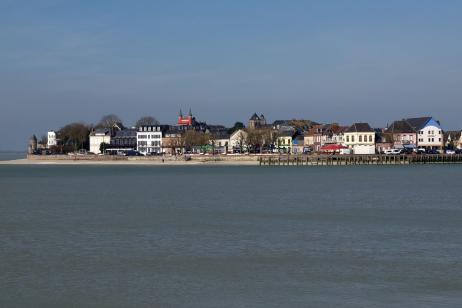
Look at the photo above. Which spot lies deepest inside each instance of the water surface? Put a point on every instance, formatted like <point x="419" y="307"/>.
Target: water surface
<point x="150" y="236"/>
<point x="10" y="155"/>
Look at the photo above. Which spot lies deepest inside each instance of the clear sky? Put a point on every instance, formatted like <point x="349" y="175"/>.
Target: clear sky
<point x="328" y="61"/>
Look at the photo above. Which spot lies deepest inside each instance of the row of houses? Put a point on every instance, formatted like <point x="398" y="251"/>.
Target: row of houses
<point x="287" y="136"/>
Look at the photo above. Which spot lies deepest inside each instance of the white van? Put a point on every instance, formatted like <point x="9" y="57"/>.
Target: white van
<point x="392" y="152"/>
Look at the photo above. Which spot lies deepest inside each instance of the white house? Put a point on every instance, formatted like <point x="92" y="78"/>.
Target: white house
<point x="149" y="139"/>
<point x="98" y="136"/>
<point x="360" y="137"/>
<point x="221" y="142"/>
<point x="237" y="141"/>
<point x="51" y="140"/>
<point x="429" y="132"/>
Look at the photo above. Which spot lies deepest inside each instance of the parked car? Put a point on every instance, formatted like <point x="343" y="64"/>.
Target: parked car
<point x="407" y="151"/>
<point x="432" y="151"/>
<point x="392" y="152"/>
<point x="450" y="152"/>
<point x="133" y="153"/>
<point x="420" y="150"/>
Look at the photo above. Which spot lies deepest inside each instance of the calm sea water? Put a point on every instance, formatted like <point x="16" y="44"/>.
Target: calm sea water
<point x="137" y="236"/>
<point x="12" y="155"/>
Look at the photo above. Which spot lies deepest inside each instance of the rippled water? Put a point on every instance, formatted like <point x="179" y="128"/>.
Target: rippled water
<point x="146" y="236"/>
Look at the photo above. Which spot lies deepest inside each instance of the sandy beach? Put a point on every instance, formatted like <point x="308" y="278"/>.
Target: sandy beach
<point x="132" y="162"/>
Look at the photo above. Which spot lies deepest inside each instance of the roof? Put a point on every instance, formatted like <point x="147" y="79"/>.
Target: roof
<point x="282" y="122"/>
<point x="401" y="126"/>
<point x="130" y="132"/>
<point x="100" y="131"/>
<point x="255" y="117"/>
<point x="285" y="133"/>
<point x="221" y="135"/>
<point x="418" y="123"/>
<point x="333" y="128"/>
<point x="360" y="128"/>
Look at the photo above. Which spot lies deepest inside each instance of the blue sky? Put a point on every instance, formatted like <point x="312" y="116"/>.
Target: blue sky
<point x="330" y="61"/>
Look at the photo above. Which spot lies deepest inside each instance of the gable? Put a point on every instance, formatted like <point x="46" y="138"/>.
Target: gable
<point x="433" y="122"/>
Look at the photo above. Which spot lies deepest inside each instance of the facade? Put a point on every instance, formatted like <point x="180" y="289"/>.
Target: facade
<point x="313" y="137"/>
<point x="256" y="121"/>
<point x="51" y="139"/>
<point x="98" y="136"/>
<point x="298" y="145"/>
<point x="429" y="132"/>
<point x="123" y="140"/>
<point x="221" y="142"/>
<point x="332" y="134"/>
<point x="237" y="141"/>
<point x="186" y="120"/>
<point x="172" y="141"/>
<point x="401" y="134"/>
<point x="284" y="142"/>
<point x="149" y="139"/>
<point x="360" y="137"/>
<point x="383" y="141"/>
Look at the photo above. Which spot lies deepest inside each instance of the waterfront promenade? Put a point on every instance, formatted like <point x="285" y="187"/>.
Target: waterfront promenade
<point x="373" y="159"/>
<point x="238" y="160"/>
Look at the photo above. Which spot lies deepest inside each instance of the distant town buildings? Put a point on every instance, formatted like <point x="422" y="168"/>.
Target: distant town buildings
<point x="189" y="135"/>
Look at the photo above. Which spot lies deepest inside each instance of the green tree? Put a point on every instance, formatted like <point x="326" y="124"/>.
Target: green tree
<point x="237" y="126"/>
<point x="102" y="147"/>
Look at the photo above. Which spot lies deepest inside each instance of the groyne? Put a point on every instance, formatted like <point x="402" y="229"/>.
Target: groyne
<point x="345" y="160"/>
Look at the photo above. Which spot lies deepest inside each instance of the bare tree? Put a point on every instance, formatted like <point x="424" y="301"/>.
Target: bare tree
<point x="44" y="140"/>
<point x="75" y="135"/>
<point x="108" y="121"/>
<point x="148" y="120"/>
<point x="241" y="140"/>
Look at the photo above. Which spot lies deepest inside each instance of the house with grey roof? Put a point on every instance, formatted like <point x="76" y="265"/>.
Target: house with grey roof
<point x="429" y="132"/>
<point x="360" y="137"/>
<point x="401" y="134"/>
<point x="99" y="136"/>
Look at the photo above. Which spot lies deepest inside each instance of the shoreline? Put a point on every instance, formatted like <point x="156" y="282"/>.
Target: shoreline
<point x="58" y="162"/>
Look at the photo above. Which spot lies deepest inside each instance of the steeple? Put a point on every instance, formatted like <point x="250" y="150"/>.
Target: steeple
<point x="181" y="113"/>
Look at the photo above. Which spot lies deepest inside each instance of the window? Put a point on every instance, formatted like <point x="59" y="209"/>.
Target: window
<point x="348" y="138"/>
<point x="360" y="138"/>
<point x="353" y="138"/>
<point x="370" y="138"/>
